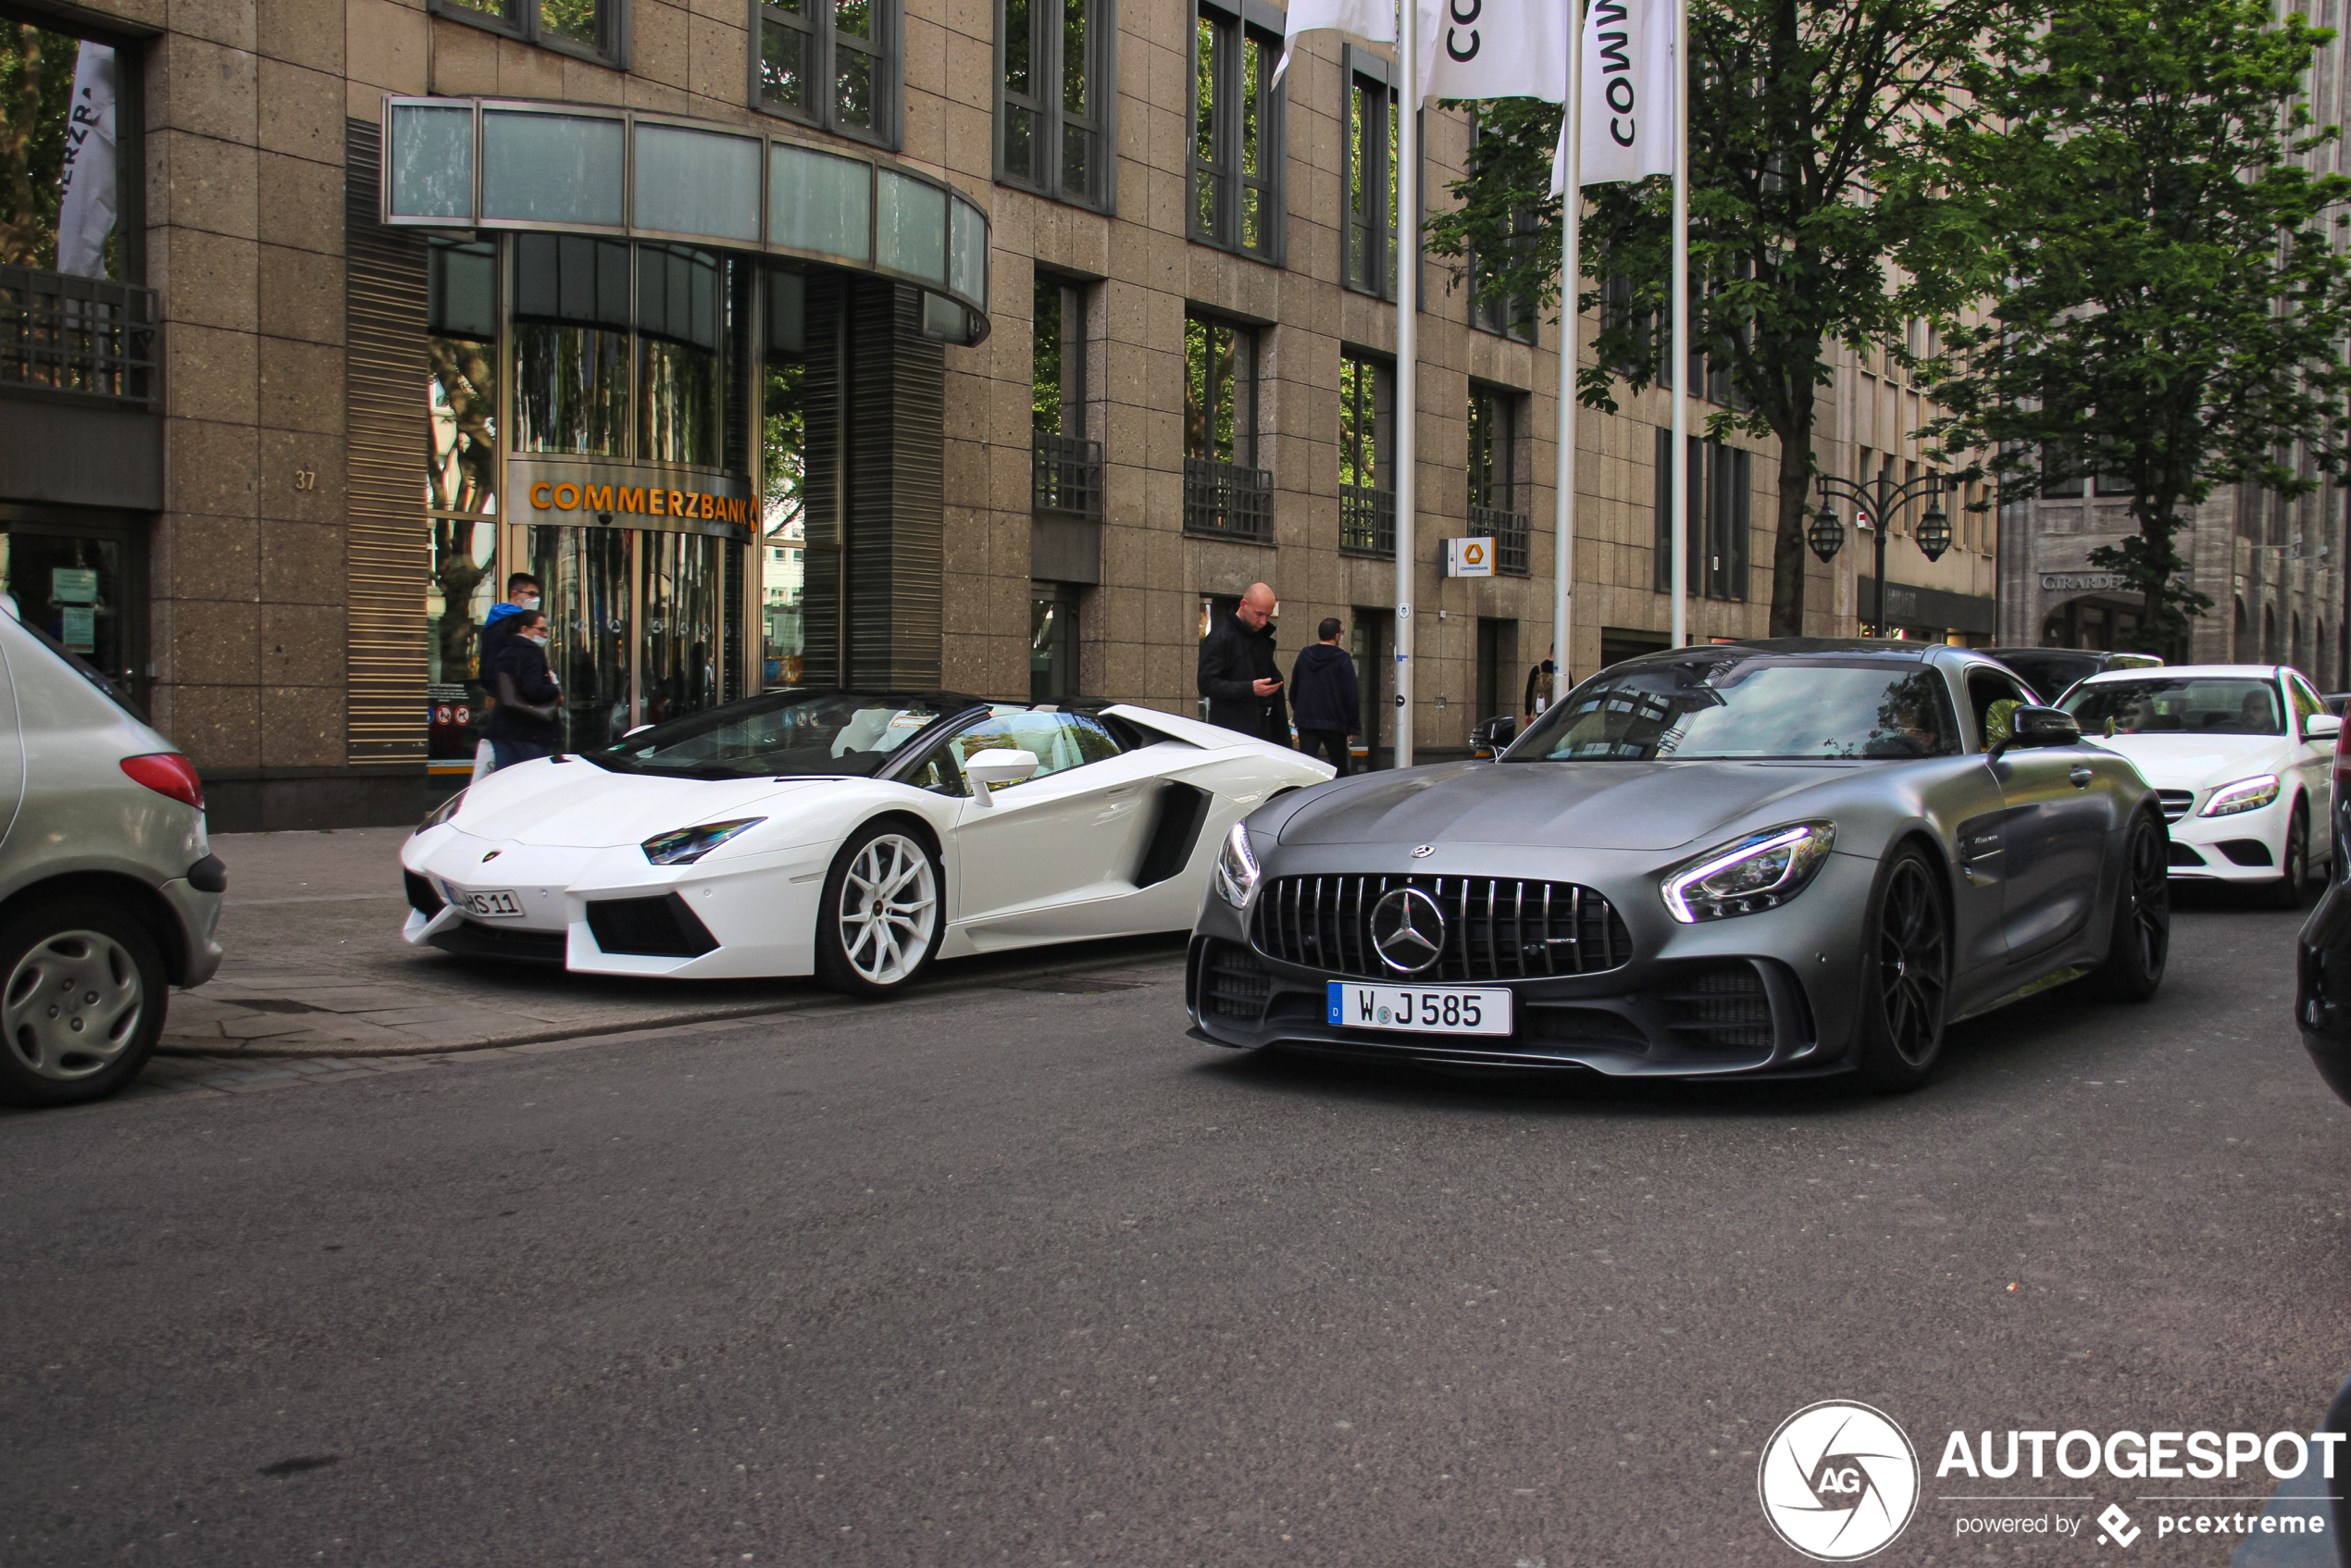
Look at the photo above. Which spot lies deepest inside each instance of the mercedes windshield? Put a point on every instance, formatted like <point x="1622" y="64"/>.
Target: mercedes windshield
<point x="1739" y="704"/>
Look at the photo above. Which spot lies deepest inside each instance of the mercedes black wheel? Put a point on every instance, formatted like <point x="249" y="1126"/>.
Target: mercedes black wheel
<point x="1906" y="975"/>
<point x="82" y="993"/>
<point x="2286" y="892"/>
<point x="2142" y="941"/>
<point x="883" y="912"/>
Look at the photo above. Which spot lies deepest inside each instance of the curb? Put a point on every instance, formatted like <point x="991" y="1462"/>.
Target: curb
<point x="813" y="1001"/>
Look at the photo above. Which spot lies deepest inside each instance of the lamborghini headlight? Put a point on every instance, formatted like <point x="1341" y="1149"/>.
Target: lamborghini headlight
<point x="442" y="812"/>
<point x="1762" y="871"/>
<point x="690" y="844"/>
<point x="2245" y="794"/>
<point x="1236" y="875"/>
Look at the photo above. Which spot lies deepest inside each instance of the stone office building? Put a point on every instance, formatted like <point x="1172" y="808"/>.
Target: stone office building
<point x="990" y="345"/>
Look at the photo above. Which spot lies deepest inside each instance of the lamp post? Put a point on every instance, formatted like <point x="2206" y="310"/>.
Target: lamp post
<point x="1881" y="500"/>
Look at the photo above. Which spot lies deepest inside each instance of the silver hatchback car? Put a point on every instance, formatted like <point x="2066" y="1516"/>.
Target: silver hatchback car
<point x="110" y="894"/>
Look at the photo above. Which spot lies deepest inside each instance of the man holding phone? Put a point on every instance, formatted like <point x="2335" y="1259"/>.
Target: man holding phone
<point x="1238" y="674"/>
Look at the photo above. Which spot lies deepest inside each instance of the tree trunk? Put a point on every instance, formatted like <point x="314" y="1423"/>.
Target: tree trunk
<point x="1788" y="544"/>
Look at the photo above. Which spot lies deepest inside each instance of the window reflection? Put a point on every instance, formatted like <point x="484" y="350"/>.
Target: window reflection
<point x="678" y="297"/>
<point x="571" y="330"/>
<point x="461" y="348"/>
<point x="679" y="660"/>
<point x="783" y="544"/>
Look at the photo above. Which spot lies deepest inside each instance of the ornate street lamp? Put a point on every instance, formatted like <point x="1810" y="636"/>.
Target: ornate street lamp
<point x="1827" y="535"/>
<point x="1934" y="531"/>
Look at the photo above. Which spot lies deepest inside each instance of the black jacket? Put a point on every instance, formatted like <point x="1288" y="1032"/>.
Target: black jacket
<point x="1322" y="693"/>
<point x="524" y="664"/>
<point x="1231" y="658"/>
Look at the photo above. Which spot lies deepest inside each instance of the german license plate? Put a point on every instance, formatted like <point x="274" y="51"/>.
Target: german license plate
<point x="491" y="905"/>
<point x="1426" y="1009"/>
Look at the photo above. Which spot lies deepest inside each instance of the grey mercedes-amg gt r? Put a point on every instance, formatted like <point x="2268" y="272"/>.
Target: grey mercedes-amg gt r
<point x="1780" y="858"/>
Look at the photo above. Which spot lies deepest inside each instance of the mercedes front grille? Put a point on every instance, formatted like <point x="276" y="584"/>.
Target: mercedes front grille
<point x="1496" y="928"/>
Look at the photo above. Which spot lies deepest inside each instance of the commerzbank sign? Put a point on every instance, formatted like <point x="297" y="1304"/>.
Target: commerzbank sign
<point x="628" y="495"/>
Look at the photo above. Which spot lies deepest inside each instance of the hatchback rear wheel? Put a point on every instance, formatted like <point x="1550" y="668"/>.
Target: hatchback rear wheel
<point x="82" y="993"/>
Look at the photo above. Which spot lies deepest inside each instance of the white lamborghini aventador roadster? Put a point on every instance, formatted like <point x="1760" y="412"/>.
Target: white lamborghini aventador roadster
<point x="852" y="836"/>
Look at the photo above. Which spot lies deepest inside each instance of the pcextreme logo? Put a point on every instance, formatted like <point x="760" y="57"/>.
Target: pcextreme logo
<point x="1838" y="1480"/>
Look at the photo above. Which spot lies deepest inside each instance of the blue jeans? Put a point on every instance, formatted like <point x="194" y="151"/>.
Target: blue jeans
<point x="505" y="754"/>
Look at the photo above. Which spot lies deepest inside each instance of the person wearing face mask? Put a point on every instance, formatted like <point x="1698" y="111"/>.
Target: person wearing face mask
<point x="525" y="723"/>
<point x="522" y="594"/>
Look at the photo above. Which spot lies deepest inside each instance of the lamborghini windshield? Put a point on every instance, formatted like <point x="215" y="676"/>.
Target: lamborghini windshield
<point x="783" y="734"/>
<point x="1737" y="703"/>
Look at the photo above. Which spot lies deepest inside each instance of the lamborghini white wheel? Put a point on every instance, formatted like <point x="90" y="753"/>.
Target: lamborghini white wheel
<point x="881" y="915"/>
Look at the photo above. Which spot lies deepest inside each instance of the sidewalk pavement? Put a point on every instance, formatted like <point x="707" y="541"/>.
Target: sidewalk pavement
<point x="315" y="968"/>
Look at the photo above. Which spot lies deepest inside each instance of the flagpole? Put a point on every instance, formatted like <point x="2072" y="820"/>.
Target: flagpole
<point x="1407" y="270"/>
<point x="1678" y="462"/>
<point x="1571" y="287"/>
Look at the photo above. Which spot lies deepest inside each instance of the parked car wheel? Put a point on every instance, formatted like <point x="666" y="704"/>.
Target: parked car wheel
<point x="883" y="912"/>
<point x="2286" y="892"/>
<point x="1907" y="975"/>
<point x="2141" y="944"/>
<point x="82" y="1005"/>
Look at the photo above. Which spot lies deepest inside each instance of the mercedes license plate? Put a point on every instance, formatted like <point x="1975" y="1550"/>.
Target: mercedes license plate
<point x="1427" y="1010"/>
<point x="493" y="905"/>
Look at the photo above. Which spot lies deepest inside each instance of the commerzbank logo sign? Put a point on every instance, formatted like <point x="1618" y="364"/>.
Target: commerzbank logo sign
<point x="1840" y="1481"/>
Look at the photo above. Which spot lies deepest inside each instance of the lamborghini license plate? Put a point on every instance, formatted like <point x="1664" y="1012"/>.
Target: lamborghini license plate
<point x="1426" y="1010"/>
<point x="493" y="905"/>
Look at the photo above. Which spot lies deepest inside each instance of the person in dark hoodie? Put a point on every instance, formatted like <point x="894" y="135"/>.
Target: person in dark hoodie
<point x="522" y="594"/>
<point x="523" y="725"/>
<point x="1323" y="700"/>
<point x="1238" y="674"/>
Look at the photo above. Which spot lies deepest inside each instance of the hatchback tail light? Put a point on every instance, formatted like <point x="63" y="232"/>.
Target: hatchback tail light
<point x="167" y="773"/>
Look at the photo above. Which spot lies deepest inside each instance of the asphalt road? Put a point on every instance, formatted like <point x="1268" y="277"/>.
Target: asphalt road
<point x="1026" y="1276"/>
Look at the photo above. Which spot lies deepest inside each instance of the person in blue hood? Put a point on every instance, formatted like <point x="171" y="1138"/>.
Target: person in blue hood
<point x="497" y="628"/>
<point x="1325" y="700"/>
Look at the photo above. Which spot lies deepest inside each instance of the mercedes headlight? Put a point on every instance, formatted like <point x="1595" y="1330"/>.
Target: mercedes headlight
<point x="2245" y="794"/>
<point x="442" y="812"/>
<point x="1762" y="871"/>
<point x="1236" y="875"/>
<point x="690" y="844"/>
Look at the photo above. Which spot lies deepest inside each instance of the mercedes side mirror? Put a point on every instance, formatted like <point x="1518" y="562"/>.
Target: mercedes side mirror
<point x="2031" y="727"/>
<point x="2321" y="727"/>
<point x="1493" y="737"/>
<point x="993" y="770"/>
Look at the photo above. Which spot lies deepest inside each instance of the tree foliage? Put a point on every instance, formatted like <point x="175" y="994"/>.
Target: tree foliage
<point x="36" y="94"/>
<point x="2168" y="304"/>
<point x="1800" y="112"/>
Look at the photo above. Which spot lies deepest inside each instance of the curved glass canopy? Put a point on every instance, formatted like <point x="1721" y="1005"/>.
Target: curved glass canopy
<point x="489" y="163"/>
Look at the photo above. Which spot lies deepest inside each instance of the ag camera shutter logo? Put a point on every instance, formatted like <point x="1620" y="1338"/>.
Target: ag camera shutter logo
<point x="1838" y="1481"/>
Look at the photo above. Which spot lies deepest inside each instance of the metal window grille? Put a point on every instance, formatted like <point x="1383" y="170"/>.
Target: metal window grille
<point x="1066" y="474"/>
<point x="1228" y="499"/>
<point x="1496" y="928"/>
<point x="1367" y="520"/>
<point x="85" y="336"/>
<point x="1508" y="531"/>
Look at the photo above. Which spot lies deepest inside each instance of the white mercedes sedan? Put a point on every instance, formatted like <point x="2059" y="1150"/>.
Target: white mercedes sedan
<point x="2241" y="754"/>
<point x="852" y="835"/>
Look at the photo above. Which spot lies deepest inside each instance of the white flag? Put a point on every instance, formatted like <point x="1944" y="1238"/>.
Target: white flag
<point x="1372" y="20"/>
<point x="1627" y="92"/>
<point x="1494" y="49"/>
<point x="86" y="207"/>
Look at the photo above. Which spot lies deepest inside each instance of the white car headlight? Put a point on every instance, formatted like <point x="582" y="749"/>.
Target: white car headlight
<point x="1236" y="875"/>
<point x="690" y="844"/>
<point x="2245" y="794"/>
<point x="1762" y="871"/>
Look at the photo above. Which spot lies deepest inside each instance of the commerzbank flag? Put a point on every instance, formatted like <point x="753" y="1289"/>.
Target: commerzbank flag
<point x="86" y="204"/>
<point x="1372" y="20"/>
<point x="1494" y="49"/>
<point x="1627" y="95"/>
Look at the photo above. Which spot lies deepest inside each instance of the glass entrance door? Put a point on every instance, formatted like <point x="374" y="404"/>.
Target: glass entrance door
<point x="679" y="617"/>
<point x="86" y="590"/>
<point x="638" y="620"/>
<point x="584" y="575"/>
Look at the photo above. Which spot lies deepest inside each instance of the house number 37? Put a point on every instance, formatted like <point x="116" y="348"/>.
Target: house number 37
<point x="306" y="479"/>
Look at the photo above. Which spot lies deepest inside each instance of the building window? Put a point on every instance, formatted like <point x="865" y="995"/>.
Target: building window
<point x="1368" y="173"/>
<point x="1237" y="137"/>
<point x="1720" y="498"/>
<point x="1366" y="484"/>
<point x="596" y="30"/>
<point x="832" y="64"/>
<point x="1065" y="467"/>
<point x="1057" y="65"/>
<point x="1052" y="643"/>
<point x="1513" y="316"/>
<point x="1495" y="460"/>
<point x="1225" y="492"/>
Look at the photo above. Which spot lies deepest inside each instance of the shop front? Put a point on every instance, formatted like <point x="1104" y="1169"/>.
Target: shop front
<point x="691" y="380"/>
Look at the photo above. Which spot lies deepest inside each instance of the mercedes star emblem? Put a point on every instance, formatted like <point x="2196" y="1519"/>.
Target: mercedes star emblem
<point x="1408" y="930"/>
<point x="1422" y="851"/>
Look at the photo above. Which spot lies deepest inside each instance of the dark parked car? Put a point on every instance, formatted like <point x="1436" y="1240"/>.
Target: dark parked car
<point x="2050" y="671"/>
<point x="1781" y="858"/>
<point x="2322" y="995"/>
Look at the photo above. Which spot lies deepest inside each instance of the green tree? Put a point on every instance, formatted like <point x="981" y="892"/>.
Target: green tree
<point x="2169" y="307"/>
<point x="1800" y="110"/>
<point x="36" y="94"/>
